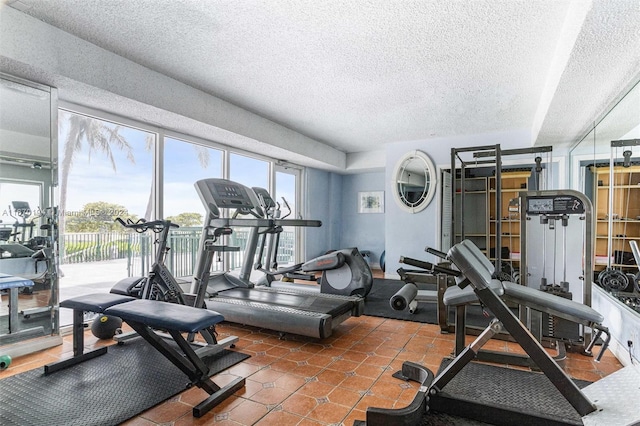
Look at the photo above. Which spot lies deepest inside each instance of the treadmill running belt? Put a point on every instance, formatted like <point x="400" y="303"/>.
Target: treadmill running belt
<point x="309" y="303"/>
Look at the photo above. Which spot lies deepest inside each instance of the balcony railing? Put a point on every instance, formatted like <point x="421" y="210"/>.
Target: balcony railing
<point x="139" y="249"/>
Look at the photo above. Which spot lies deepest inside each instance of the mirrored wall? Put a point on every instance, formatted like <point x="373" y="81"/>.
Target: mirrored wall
<point x="605" y="165"/>
<point x="28" y="217"/>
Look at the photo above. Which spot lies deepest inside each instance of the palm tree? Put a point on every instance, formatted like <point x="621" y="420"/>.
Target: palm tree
<point x="96" y="135"/>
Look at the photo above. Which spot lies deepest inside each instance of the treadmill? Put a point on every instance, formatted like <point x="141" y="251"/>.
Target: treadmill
<point x="295" y="311"/>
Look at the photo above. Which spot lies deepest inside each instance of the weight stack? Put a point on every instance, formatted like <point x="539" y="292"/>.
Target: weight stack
<point x="559" y="328"/>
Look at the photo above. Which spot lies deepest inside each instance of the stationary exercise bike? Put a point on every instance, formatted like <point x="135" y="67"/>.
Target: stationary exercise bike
<point x="159" y="284"/>
<point x="343" y="272"/>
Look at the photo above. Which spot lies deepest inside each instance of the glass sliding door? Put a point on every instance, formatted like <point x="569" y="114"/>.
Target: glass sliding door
<point x="106" y="171"/>
<point x="286" y="192"/>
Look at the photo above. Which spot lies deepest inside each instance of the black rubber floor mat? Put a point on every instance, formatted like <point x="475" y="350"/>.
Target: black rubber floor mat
<point x="107" y="390"/>
<point x="442" y="419"/>
<point x="504" y="396"/>
<point x="376" y="303"/>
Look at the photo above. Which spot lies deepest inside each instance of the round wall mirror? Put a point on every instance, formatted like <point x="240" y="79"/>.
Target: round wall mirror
<point x="414" y="181"/>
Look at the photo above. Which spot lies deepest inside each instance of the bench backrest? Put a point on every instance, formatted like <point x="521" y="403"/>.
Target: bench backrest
<point x="472" y="263"/>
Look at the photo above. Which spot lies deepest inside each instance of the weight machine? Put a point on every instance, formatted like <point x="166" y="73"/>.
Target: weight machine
<point x="489" y="155"/>
<point x="556" y="247"/>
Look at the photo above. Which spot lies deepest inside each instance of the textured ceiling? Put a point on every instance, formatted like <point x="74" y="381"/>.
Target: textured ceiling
<point x="359" y="74"/>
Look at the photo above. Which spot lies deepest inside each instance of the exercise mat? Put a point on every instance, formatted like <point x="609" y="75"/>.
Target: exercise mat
<point x="377" y="305"/>
<point x="106" y="390"/>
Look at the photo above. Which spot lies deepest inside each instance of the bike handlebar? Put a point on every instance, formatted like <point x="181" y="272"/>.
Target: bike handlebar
<point x="142" y="225"/>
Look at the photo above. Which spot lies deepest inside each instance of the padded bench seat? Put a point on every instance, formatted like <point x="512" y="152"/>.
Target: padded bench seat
<point x="477" y="264"/>
<point x="456" y="296"/>
<point x="96" y="302"/>
<point x="146" y="315"/>
<point x="530" y="297"/>
<point x="165" y="316"/>
<point x="551" y="304"/>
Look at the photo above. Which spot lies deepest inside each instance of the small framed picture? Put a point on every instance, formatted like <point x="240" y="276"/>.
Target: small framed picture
<point x="371" y="202"/>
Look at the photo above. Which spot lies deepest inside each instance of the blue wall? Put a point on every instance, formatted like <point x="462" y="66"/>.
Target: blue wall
<point x="323" y="193"/>
<point x="362" y="230"/>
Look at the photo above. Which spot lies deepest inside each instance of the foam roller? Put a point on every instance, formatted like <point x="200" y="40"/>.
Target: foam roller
<point x="403" y="297"/>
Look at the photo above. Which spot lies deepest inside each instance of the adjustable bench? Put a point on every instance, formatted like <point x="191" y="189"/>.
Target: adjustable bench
<point x="524" y="296"/>
<point x="146" y="315"/>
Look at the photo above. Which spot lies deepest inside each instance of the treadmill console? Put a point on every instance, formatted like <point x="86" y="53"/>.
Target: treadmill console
<point x="264" y="196"/>
<point x="222" y="194"/>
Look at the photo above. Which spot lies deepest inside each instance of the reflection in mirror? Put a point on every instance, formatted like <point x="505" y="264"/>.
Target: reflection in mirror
<point x="606" y="166"/>
<point x="28" y="218"/>
<point x="622" y="122"/>
<point x="414" y="181"/>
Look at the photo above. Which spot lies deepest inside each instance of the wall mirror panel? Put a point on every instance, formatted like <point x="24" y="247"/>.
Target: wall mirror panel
<point x="605" y="165"/>
<point x="28" y="227"/>
<point x="414" y="181"/>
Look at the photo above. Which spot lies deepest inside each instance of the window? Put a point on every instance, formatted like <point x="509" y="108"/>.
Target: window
<point x="106" y="171"/>
<point x="109" y="169"/>
<point x="104" y="166"/>
<point x="184" y="164"/>
<point x="248" y="171"/>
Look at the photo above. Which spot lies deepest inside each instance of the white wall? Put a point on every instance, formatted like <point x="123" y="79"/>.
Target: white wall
<point x="623" y="323"/>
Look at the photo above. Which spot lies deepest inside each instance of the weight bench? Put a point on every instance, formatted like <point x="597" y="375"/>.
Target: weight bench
<point x="524" y="296"/>
<point x="473" y="274"/>
<point x="144" y="316"/>
<point x="97" y="303"/>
